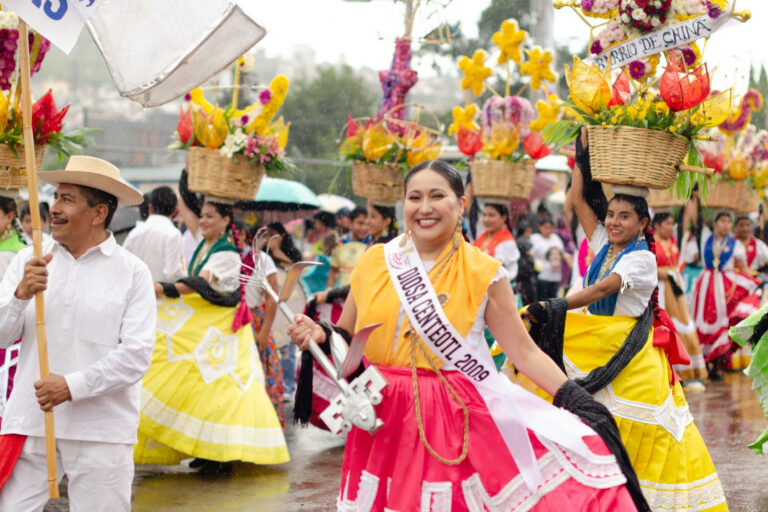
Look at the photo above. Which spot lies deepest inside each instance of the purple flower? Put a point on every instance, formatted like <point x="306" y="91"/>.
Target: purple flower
<point x="596" y="47"/>
<point x="587" y="4"/>
<point x="636" y="69"/>
<point x="10" y="44"/>
<point x="689" y="56"/>
<point x="13" y="34"/>
<point x="187" y="97"/>
<point x="8" y="54"/>
<point x="244" y="119"/>
<point x="265" y="96"/>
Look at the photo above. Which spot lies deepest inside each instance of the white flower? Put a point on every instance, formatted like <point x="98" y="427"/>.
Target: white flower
<point x="638" y="14"/>
<point x="239" y="137"/>
<point x="246" y="62"/>
<point x="655" y="21"/>
<point x="624" y="17"/>
<point x="233" y="143"/>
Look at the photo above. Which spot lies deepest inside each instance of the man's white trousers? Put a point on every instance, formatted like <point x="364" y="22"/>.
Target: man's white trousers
<point x="100" y="476"/>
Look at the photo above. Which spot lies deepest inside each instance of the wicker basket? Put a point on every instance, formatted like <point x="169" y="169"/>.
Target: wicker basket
<point x="502" y="181"/>
<point x="212" y="173"/>
<point x="738" y="196"/>
<point x="663" y="198"/>
<point x="382" y="184"/>
<point x="624" y="155"/>
<point x="13" y="168"/>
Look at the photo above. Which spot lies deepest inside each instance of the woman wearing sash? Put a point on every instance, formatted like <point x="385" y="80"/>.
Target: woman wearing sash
<point x="617" y="355"/>
<point x="723" y="295"/>
<point x="672" y="300"/>
<point x="457" y="435"/>
<point x="204" y="393"/>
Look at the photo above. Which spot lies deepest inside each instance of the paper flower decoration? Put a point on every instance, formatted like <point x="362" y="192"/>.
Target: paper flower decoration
<point x="475" y="72"/>
<point x="681" y="89"/>
<point x="534" y="145"/>
<point x="620" y="93"/>
<point x="463" y="117"/>
<point x="469" y="141"/>
<point x="376" y="142"/>
<point x="509" y="39"/>
<point x="503" y="141"/>
<point x="751" y="102"/>
<point x="422" y="148"/>
<point x="46" y="118"/>
<point x="716" y="108"/>
<point x="588" y="87"/>
<point x="548" y="112"/>
<point x="184" y="127"/>
<point x="538" y="67"/>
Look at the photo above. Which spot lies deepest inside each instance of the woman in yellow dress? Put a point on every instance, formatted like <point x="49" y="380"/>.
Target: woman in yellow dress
<point x="204" y="394"/>
<point x="456" y="434"/>
<point x="612" y="354"/>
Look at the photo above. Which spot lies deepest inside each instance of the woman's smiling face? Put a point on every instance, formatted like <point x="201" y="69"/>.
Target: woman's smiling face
<point x="432" y="210"/>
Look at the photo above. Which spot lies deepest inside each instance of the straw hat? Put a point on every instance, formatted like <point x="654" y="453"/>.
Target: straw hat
<point x="96" y="173"/>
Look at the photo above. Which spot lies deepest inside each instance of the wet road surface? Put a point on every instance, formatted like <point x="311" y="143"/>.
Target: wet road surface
<point x="727" y="414"/>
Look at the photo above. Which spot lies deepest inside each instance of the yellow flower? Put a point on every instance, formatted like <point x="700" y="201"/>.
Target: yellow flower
<point x="502" y="143"/>
<point x="548" y="112"/>
<point x="198" y="98"/>
<point x="588" y="87"/>
<point x="509" y="39"/>
<point x="210" y="130"/>
<point x="660" y="108"/>
<point x="431" y="152"/>
<point x="673" y="129"/>
<point x="538" y="67"/>
<point x="463" y="117"/>
<point x="280" y="129"/>
<point x="614" y="120"/>
<point x="376" y="142"/>
<point x="279" y="89"/>
<point x="738" y="168"/>
<point x="475" y="72"/>
<point x="632" y="112"/>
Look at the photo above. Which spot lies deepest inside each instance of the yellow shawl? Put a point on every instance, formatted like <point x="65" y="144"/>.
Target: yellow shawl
<point x="465" y="279"/>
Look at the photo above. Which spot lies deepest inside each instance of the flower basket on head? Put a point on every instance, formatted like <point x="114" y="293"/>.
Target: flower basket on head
<point x="13" y="170"/>
<point x="625" y="155"/>
<point x="383" y="148"/>
<point x="229" y="150"/>
<point x="736" y="195"/>
<point x="383" y="184"/>
<point x="212" y="173"/>
<point x="501" y="181"/>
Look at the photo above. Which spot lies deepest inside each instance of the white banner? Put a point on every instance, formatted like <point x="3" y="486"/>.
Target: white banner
<point x="667" y="38"/>
<point x="512" y="408"/>
<point x="59" y="21"/>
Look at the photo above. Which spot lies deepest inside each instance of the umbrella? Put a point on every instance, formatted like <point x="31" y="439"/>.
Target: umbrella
<point x="333" y="203"/>
<point x="279" y="200"/>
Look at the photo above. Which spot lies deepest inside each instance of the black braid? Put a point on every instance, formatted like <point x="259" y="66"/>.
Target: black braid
<point x="651" y="241"/>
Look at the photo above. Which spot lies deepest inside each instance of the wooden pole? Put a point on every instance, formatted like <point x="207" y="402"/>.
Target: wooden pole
<point x="37" y="241"/>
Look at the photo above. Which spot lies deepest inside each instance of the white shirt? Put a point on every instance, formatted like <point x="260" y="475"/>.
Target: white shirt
<point x="508" y="254"/>
<point x="189" y="244"/>
<point x="28" y="239"/>
<point x="638" y="273"/>
<point x="100" y="314"/>
<point x="761" y="258"/>
<point x="540" y="247"/>
<point x="157" y="242"/>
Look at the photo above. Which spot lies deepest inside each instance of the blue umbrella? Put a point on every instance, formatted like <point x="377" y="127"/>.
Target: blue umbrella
<point x="282" y="200"/>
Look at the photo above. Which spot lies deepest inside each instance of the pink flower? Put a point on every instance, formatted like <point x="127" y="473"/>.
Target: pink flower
<point x="636" y="69"/>
<point x="689" y="56"/>
<point x="265" y="96"/>
<point x="596" y="47"/>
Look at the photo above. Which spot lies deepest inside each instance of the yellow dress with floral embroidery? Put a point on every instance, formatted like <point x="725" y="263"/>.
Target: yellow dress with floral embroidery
<point x="204" y="393"/>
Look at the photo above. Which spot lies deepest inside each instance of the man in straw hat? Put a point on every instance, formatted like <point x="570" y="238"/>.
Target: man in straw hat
<point x="100" y="311"/>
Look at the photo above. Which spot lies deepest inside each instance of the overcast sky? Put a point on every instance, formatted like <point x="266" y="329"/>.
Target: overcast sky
<point x="361" y="33"/>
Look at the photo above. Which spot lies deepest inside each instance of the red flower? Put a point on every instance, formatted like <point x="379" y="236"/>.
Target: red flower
<point x="184" y="128"/>
<point x="352" y="126"/>
<point x="680" y="89"/>
<point x="621" y="92"/>
<point x="46" y="118"/>
<point x="716" y="162"/>
<point x="469" y="141"/>
<point x="534" y="145"/>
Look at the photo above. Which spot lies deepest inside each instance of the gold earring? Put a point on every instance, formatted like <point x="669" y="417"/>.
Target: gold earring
<point x="458" y="237"/>
<point x="404" y="240"/>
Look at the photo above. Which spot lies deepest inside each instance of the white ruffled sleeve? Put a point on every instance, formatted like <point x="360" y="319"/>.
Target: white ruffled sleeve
<point x="508" y="254"/>
<point x="599" y="238"/>
<point x="637" y="271"/>
<point x="224" y="267"/>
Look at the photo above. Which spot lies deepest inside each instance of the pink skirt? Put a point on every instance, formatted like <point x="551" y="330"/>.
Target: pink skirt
<point x="392" y="470"/>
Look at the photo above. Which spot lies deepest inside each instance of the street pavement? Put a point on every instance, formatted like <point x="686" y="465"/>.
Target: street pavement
<point x="727" y="414"/>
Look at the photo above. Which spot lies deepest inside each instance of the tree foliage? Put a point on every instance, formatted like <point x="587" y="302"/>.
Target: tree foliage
<point x="317" y="109"/>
